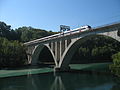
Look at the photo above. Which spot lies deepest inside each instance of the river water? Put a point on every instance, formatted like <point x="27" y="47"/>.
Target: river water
<point x="61" y="81"/>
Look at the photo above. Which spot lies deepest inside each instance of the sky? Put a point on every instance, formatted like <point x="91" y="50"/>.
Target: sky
<point x="50" y="14"/>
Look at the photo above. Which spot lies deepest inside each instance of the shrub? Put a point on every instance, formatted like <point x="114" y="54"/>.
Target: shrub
<point x="115" y="67"/>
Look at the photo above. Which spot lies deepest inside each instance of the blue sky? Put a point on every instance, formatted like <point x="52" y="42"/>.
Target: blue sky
<point x="50" y="14"/>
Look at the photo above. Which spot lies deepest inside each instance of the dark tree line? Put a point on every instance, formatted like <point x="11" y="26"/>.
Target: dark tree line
<point x="6" y="31"/>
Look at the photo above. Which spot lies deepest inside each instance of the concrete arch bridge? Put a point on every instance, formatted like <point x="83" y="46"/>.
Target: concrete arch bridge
<point x="63" y="46"/>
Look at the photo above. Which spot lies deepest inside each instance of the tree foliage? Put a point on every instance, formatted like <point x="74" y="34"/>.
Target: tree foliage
<point x="116" y="59"/>
<point x="11" y="53"/>
<point x="115" y="67"/>
<point x="7" y="32"/>
<point x="96" y="49"/>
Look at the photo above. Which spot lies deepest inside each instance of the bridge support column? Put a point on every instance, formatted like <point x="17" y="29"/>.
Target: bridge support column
<point x="58" y="69"/>
<point x="29" y="59"/>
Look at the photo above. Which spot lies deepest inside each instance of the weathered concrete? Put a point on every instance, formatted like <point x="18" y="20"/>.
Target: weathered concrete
<point x="62" y="47"/>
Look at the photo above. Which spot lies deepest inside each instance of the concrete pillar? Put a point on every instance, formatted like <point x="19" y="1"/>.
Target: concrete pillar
<point x="55" y="51"/>
<point x="29" y="59"/>
<point x="29" y="54"/>
<point x="68" y="42"/>
<point x="65" y="44"/>
<point x="49" y="45"/>
<point x="62" y="47"/>
<point x="52" y="46"/>
<point x="58" y="51"/>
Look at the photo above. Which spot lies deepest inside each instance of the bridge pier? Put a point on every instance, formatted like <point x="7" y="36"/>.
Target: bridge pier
<point x="59" y="69"/>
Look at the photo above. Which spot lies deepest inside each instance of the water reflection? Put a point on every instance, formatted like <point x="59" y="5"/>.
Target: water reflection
<point x="78" y="81"/>
<point x="62" y="81"/>
<point x="57" y="84"/>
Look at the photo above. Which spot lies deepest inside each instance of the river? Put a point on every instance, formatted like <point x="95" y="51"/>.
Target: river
<point x="61" y="81"/>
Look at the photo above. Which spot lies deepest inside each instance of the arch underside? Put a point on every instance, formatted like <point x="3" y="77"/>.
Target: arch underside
<point x="73" y="46"/>
<point x="37" y="51"/>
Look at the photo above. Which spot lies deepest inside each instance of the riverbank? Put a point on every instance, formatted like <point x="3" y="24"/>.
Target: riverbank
<point x="19" y="72"/>
<point x="100" y="67"/>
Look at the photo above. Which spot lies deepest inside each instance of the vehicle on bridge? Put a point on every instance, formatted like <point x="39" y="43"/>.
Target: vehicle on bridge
<point x="77" y="30"/>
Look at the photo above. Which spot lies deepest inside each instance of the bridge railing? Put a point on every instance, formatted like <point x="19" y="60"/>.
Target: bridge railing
<point x="43" y="39"/>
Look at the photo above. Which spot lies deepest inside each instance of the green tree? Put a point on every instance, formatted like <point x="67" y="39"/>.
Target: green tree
<point x="12" y="53"/>
<point x="115" y="67"/>
<point x="116" y="59"/>
<point x="4" y="30"/>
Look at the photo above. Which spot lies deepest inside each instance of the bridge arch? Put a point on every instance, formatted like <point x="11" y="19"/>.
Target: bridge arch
<point x="74" y="45"/>
<point x="36" y="52"/>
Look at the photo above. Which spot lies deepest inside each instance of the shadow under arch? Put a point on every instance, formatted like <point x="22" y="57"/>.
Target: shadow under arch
<point x="37" y="51"/>
<point x="72" y="48"/>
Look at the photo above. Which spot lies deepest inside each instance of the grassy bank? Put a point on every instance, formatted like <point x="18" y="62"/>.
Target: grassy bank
<point x="19" y="72"/>
<point x="100" y="67"/>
